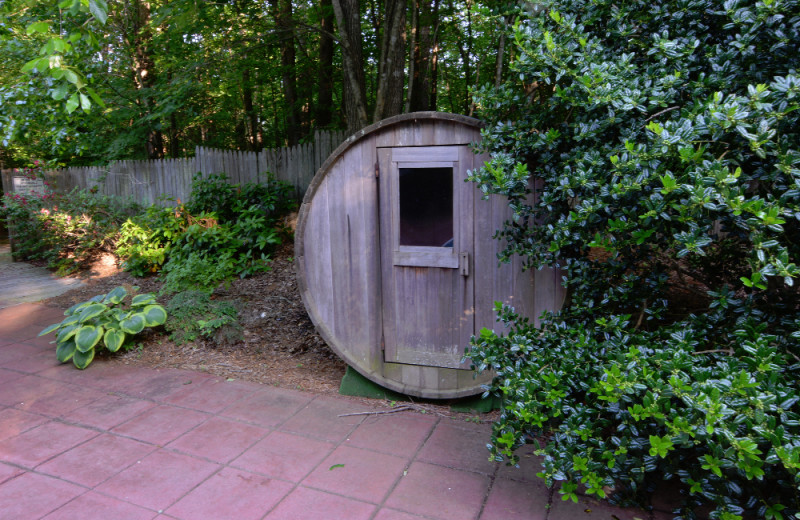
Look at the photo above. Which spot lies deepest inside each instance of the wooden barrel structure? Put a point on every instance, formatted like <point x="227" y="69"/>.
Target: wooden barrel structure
<point x="396" y="260"/>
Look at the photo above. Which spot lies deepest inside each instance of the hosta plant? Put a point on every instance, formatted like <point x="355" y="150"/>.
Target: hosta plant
<point x="106" y="320"/>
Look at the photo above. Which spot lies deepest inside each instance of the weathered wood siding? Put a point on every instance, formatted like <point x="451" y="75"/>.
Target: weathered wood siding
<point x="358" y="298"/>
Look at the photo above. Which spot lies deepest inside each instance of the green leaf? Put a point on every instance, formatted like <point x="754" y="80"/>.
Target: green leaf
<point x="38" y="27"/>
<point x="50" y="329"/>
<point x="71" y="310"/>
<point x="114" y="339"/>
<point x="87" y="337"/>
<point x="72" y="103"/>
<point x="82" y="359"/>
<point x="60" y="92"/>
<point x="65" y="350"/>
<point x="85" y="103"/>
<point x="97" y="99"/>
<point x="99" y="10"/>
<point x="134" y="324"/>
<point x="67" y="332"/>
<point x="90" y="311"/>
<point x="143" y="299"/>
<point x="30" y="66"/>
<point x="116" y="295"/>
<point x="154" y="315"/>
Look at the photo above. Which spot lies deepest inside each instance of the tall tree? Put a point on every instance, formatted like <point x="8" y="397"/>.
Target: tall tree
<point x="138" y="33"/>
<point x="348" y="20"/>
<point x="282" y="11"/>
<point x="423" y="56"/>
<point x="391" y="74"/>
<point x="324" y="106"/>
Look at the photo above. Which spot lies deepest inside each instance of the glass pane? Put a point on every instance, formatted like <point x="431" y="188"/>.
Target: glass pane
<point x="426" y="207"/>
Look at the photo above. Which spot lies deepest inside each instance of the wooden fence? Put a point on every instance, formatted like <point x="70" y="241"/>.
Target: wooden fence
<point x="147" y="181"/>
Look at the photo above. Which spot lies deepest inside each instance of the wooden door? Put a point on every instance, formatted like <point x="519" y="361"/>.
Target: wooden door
<point x="426" y="226"/>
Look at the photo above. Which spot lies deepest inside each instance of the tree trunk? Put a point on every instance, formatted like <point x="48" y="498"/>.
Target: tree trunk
<point x="174" y="144"/>
<point x="144" y="75"/>
<point x="324" y="112"/>
<point x="389" y="95"/>
<point x="422" y="83"/>
<point x="501" y="50"/>
<point x="282" y="12"/>
<point x="348" y="20"/>
<point x="251" y="128"/>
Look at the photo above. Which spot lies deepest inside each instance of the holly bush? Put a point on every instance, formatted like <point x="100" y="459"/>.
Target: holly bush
<point x="651" y="152"/>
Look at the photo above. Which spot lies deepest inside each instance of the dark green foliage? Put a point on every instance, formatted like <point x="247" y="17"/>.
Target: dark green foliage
<point x="67" y="231"/>
<point x="224" y="231"/>
<point x="664" y="137"/>
<point x="193" y="314"/>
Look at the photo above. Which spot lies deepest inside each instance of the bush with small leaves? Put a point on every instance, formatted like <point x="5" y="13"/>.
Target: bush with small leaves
<point x="108" y="318"/>
<point x="651" y="151"/>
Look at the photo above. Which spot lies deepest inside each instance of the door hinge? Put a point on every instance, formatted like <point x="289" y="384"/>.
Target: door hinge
<point x="377" y="169"/>
<point x="463" y="264"/>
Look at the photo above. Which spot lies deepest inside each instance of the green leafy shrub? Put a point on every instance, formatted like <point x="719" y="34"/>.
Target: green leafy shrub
<point x="199" y="271"/>
<point x="65" y="230"/>
<point x="193" y="314"/>
<point x="224" y="231"/>
<point x="214" y="194"/>
<point x="145" y="239"/>
<point x="106" y="317"/>
<point x="661" y="140"/>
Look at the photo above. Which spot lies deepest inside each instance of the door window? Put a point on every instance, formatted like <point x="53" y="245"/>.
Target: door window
<point x="426" y="207"/>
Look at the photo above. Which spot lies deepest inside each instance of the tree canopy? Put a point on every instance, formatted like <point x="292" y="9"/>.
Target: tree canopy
<point x="85" y="81"/>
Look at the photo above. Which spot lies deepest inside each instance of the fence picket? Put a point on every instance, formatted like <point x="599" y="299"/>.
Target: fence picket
<point x="144" y="181"/>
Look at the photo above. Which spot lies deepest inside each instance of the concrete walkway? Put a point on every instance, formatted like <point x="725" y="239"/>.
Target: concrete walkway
<point x="131" y="443"/>
<point x="21" y="282"/>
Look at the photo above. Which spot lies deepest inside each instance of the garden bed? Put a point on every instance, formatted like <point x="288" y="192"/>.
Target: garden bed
<point x="280" y="345"/>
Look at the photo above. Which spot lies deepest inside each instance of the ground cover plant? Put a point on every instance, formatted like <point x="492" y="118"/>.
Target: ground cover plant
<point x="194" y="315"/>
<point x="108" y="318"/>
<point x="662" y="141"/>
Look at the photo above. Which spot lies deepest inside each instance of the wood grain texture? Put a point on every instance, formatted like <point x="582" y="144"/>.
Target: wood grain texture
<point x="357" y="295"/>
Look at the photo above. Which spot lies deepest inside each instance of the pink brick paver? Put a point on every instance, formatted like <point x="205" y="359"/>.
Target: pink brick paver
<point x="115" y="441"/>
<point x="284" y="456"/>
<point x="33" y="496"/>
<point x="161" y="425"/>
<point x="310" y="504"/>
<point x="158" y="480"/>
<point x="96" y="460"/>
<point x="94" y="506"/>
<point x="357" y="473"/>
<point x="439" y="492"/>
<point x="219" y="439"/>
<point x="231" y="494"/>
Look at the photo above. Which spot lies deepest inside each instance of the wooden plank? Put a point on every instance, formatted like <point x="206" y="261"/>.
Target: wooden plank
<point x="318" y="268"/>
<point x="424" y="132"/>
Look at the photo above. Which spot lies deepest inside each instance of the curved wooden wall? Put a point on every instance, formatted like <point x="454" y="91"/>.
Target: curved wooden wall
<point x="338" y="261"/>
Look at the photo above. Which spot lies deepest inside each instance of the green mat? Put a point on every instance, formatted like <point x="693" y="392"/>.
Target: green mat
<point x="357" y="385"/>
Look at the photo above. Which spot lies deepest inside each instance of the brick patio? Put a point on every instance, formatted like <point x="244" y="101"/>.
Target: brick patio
<point x="131" y="443"/>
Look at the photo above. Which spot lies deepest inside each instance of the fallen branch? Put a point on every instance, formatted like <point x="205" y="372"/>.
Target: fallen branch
<point x="393" y="410"/>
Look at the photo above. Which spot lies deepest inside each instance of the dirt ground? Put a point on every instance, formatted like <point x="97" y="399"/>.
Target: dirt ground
<point x="280" y="346"/>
